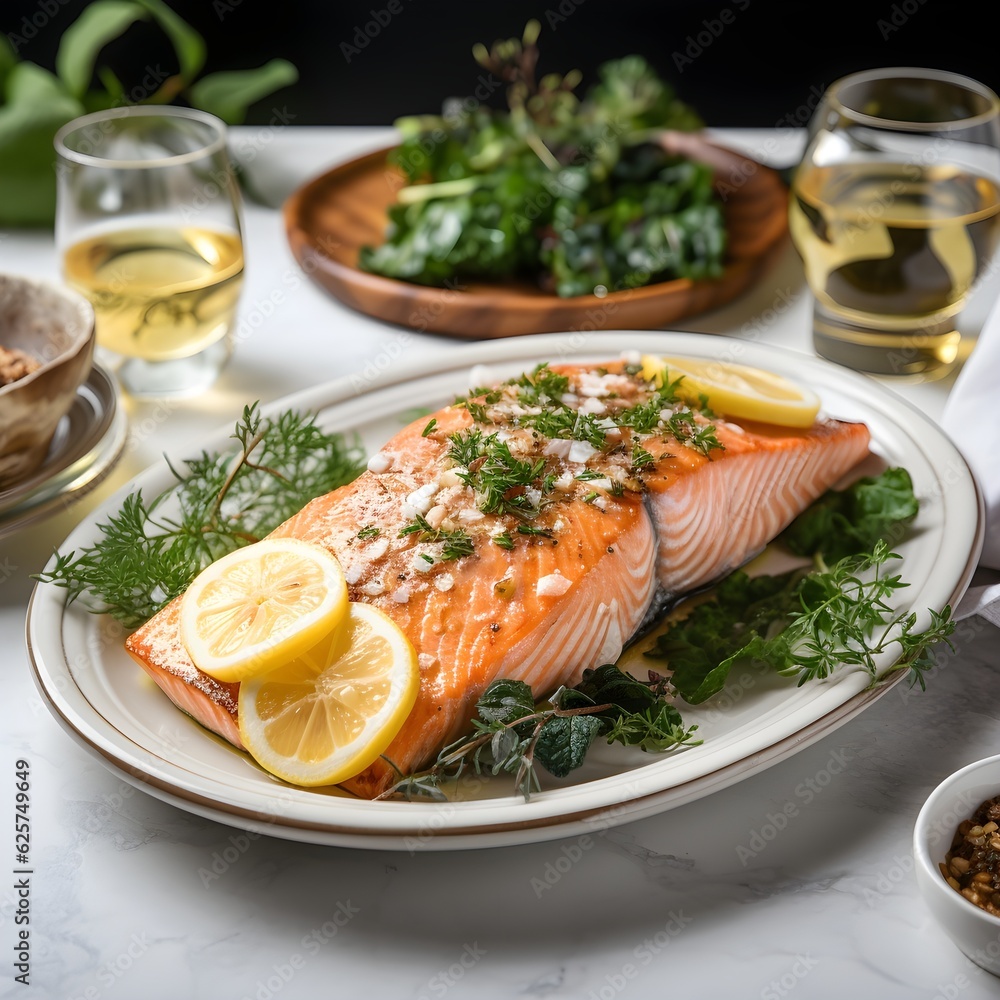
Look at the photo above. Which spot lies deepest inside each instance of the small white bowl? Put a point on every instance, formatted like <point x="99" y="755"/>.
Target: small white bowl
<point x="976" y="932"/>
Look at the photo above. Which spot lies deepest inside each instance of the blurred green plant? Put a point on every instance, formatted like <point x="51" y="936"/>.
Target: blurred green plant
<point x="35" y="103"/>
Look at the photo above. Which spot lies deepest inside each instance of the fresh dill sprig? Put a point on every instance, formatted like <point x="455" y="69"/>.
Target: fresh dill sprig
<point x="501" y="481"/>
<point x="456" y="543"/>
<point x="640" y="458"/>
<point x="846" y="620"/>
<point x="465" y="447"/>
<point x="540" y="385"/>
<point x="561" y="421"/>
<point x="644" y="417"/>
<point x="684" y="426"/>
<point x="150" y="551"/>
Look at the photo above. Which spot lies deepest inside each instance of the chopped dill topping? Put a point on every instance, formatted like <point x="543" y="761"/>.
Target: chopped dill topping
<point x="456" y="543"/>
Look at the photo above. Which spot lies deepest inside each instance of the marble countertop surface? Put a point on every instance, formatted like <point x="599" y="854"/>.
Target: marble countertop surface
<point x="134" y="898"/>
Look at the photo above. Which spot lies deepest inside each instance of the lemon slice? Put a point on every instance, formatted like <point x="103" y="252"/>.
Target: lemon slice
<point x="261" y="605"/>
<point x="738" y="390"/>
<point x="327" y="715"/>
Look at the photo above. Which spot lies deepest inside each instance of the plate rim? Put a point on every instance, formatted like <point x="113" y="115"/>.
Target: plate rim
<point x="512" y="831"/>
<point x="113" y="427"/>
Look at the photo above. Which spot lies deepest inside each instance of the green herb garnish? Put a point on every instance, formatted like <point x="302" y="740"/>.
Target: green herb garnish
<point x="809" y="622"/>
<point x="843" y="522"/>
<point x="534" y="529"/>
<point x="541" y="385"/>
<point x="455" y="543"/>
<point x="640" y="457"/>
<point x="500" y="480"/>
<point x="149" y="552"/>
<point x="369" y="531"/>
<point x="515" y="735"/>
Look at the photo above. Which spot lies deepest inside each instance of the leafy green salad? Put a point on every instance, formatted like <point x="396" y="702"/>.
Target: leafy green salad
<point x="570" y="193"/>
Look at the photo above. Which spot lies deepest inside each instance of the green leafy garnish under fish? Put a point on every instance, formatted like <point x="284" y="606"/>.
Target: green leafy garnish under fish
<point x="846" y="522"/>
<point x="809" y="622"/>
<point x="514" y="735"/>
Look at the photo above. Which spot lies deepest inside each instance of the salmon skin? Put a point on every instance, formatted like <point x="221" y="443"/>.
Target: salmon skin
<point x="529" y="530"/>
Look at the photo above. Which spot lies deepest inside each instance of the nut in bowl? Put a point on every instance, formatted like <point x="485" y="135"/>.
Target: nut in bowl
<point x="46" y="353"/>
<point x="954" y="804"/>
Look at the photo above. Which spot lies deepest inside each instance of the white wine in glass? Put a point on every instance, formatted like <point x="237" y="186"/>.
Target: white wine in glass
<point x="895" y="212"/>
<point x="148" y="225"/>
<point x="160" y="293"/>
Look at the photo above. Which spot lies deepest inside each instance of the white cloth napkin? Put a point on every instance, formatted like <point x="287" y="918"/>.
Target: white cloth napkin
<point x="971" y="418"/>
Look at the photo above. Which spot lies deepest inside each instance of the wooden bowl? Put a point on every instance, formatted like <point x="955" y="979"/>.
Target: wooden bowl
<point x="330" y="218"/>
<point x="55" y="326"/>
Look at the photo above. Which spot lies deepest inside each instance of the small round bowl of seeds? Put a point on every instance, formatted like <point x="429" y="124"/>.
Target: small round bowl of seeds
<point x="46" y="352"/>
<point x="956" y="849"/>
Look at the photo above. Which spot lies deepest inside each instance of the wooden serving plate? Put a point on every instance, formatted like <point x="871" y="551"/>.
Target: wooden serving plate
<point x="331" y="217"/>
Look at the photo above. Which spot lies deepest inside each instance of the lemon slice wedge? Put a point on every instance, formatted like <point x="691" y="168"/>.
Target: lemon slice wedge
<point x="327" y="715"/>
<point x="738" y="390"/>
<point x="261" y="605"/>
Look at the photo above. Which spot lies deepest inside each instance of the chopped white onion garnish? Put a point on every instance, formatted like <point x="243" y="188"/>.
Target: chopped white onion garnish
<point x="380" y="462"/>
<point x="553" y="585"/>
<point x="378" y="548"/>
<point x="420" y="500"/>
<point x="592" y="405"/>
<point x="581" y="451"/>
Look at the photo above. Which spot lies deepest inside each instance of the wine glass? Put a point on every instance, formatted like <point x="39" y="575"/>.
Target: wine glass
<point x="895" y="212"/>
<point x="148" y="226"/>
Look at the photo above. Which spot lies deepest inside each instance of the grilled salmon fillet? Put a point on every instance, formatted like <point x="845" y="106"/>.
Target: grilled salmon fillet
<point x="529" y="531"/>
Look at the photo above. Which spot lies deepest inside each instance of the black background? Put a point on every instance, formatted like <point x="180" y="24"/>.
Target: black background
<point x="761" y="69"/>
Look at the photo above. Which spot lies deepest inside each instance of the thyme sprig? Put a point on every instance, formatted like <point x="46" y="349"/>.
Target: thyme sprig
<point x="806" y="624"/>
<point x="515" y="735"/>
<point x="150" y="551"/>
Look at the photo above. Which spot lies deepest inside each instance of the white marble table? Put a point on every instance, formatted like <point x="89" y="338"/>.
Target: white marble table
<point x="132" y="898"/>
